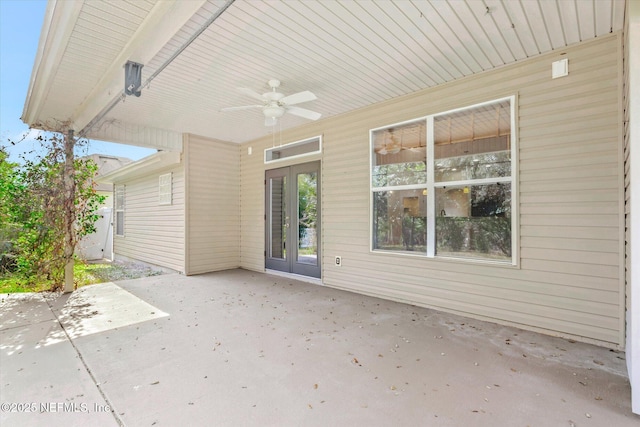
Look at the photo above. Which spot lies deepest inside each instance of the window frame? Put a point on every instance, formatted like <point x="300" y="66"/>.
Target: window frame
<point x="290" y="145"/>
<point x="165" y="189"/>
<point x="431" y="185"/>
<point x="119" y="208"/>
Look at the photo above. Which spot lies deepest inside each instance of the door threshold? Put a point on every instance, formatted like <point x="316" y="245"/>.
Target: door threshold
<point x="300" y="277"/>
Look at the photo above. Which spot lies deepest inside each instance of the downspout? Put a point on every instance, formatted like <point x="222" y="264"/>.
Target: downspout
<point x="146" y="83"/>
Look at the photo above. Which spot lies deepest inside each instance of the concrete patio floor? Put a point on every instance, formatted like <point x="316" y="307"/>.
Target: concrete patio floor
<point x="239" y="348"/>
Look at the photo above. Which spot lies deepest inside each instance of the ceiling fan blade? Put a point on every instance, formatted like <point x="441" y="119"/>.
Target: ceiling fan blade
<point x="244" y="107"/>
<point x="298" y="98"/>
<point x="270" y="121"/>
<point x="252" y="93"/>
<point x="303" y="112"/>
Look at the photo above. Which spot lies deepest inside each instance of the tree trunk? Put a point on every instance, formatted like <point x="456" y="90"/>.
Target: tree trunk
<point x="69" y="211"/>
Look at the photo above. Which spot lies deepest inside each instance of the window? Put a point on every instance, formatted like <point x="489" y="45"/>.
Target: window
<point x="399" y="180"/>
<point x="442" y="185"/>
<point x="164" y="189"/>
<point x="307" y="147"/>
<point x="119" y="210"/>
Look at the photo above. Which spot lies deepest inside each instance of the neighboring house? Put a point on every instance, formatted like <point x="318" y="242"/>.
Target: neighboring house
<point x="99" y="245"/>
<point x="106" y="164"/>
<point x="149" y="211"/>
<point x="473" y="157"/>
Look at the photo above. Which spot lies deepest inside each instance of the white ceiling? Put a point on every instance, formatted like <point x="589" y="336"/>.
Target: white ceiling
<point x="349" y="53"/>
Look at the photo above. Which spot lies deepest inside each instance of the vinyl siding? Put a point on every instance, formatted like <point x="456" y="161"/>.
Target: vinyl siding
<point x="213" y="208"/>
<point x="569" y="274"/>
<point x="153" y="233"/>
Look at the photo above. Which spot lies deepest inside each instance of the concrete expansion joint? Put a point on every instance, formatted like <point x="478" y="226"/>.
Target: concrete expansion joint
<point x="8" y="328"/>
<point x="86" y="367"/>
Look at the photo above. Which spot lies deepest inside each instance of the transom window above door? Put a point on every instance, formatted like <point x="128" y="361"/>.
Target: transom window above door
<point x="298" y="149"/>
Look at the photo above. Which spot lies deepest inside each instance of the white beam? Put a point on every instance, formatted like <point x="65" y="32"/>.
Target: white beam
<point x="633" y="296"/>
<point x="163" y="22"/>
<point x="59" y="21"/>
<point x="138" y="135"/>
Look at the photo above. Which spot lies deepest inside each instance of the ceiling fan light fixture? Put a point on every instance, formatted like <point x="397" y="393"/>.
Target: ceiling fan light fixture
<point x="273" y="111"/>
<point x="395" y="149"/>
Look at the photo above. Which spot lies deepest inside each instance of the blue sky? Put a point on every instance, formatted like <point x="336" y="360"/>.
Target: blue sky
<point x="20" y="25"/>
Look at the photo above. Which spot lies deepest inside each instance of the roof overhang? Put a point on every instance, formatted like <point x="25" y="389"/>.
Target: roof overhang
<point x="350" y="54"/>
<point x="148" y="165"/>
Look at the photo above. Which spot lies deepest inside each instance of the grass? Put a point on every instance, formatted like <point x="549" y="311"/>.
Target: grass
<point x="84" y="274"/>
<point x="12" y="285"/>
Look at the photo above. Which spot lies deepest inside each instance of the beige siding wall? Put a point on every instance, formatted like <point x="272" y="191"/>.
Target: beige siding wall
<point x="153" y="233"/>
<point x="569" y="277"/>
<point x="213" y="204"/>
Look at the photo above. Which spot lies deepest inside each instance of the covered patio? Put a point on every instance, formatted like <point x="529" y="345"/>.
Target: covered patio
<point x="246" y="348"/>
<point x="556" y="182"/>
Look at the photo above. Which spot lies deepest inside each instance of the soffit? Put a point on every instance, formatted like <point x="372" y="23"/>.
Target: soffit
<point x="101" y="31"/>
<point x="349" y="53"/>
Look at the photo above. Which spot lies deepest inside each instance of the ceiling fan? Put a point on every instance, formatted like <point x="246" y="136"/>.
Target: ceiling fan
<point x="275" y="104"/>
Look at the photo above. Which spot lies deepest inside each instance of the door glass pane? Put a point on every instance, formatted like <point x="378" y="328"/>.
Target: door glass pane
<point x="279" y="219"/>
<point x="307" y="218"/>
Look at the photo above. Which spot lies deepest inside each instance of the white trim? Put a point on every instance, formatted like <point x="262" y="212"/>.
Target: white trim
<point x="122" y="132"/>
<point x="469" y="182"/>
<point x="431" y="199"/>
<point x="165" y="189"/>
<point x="393" y="125"/>
<point x="400" y="187"/>
<point x="294" y="144"/>
<point x="119" y="208"/>
<point x="142" y="167"/>
<point x="59" y="23"/>
<point x="298" y="277"/>
<point x="431" y="185"/>
<point x="515" y="182"/>
<point x="633" y="313"/>
<point x="479" y="104"/>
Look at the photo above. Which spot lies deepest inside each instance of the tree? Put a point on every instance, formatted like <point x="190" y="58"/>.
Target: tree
<point x="307" y="203"/>
<point x="52" y="201"/>
<point x="8" y="230"/>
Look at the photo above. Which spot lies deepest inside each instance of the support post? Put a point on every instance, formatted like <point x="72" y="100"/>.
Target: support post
<point x="69" y="210"/>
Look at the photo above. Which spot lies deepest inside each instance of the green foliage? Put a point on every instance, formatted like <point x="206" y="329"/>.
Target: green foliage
<point x="473" y="236"/>
<point x="400" y="174"/>
<point x="450" y="233"/>
<point x="307" y="203"/>
<point x="84" y="274"/>
<point x="36" y="211"/>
